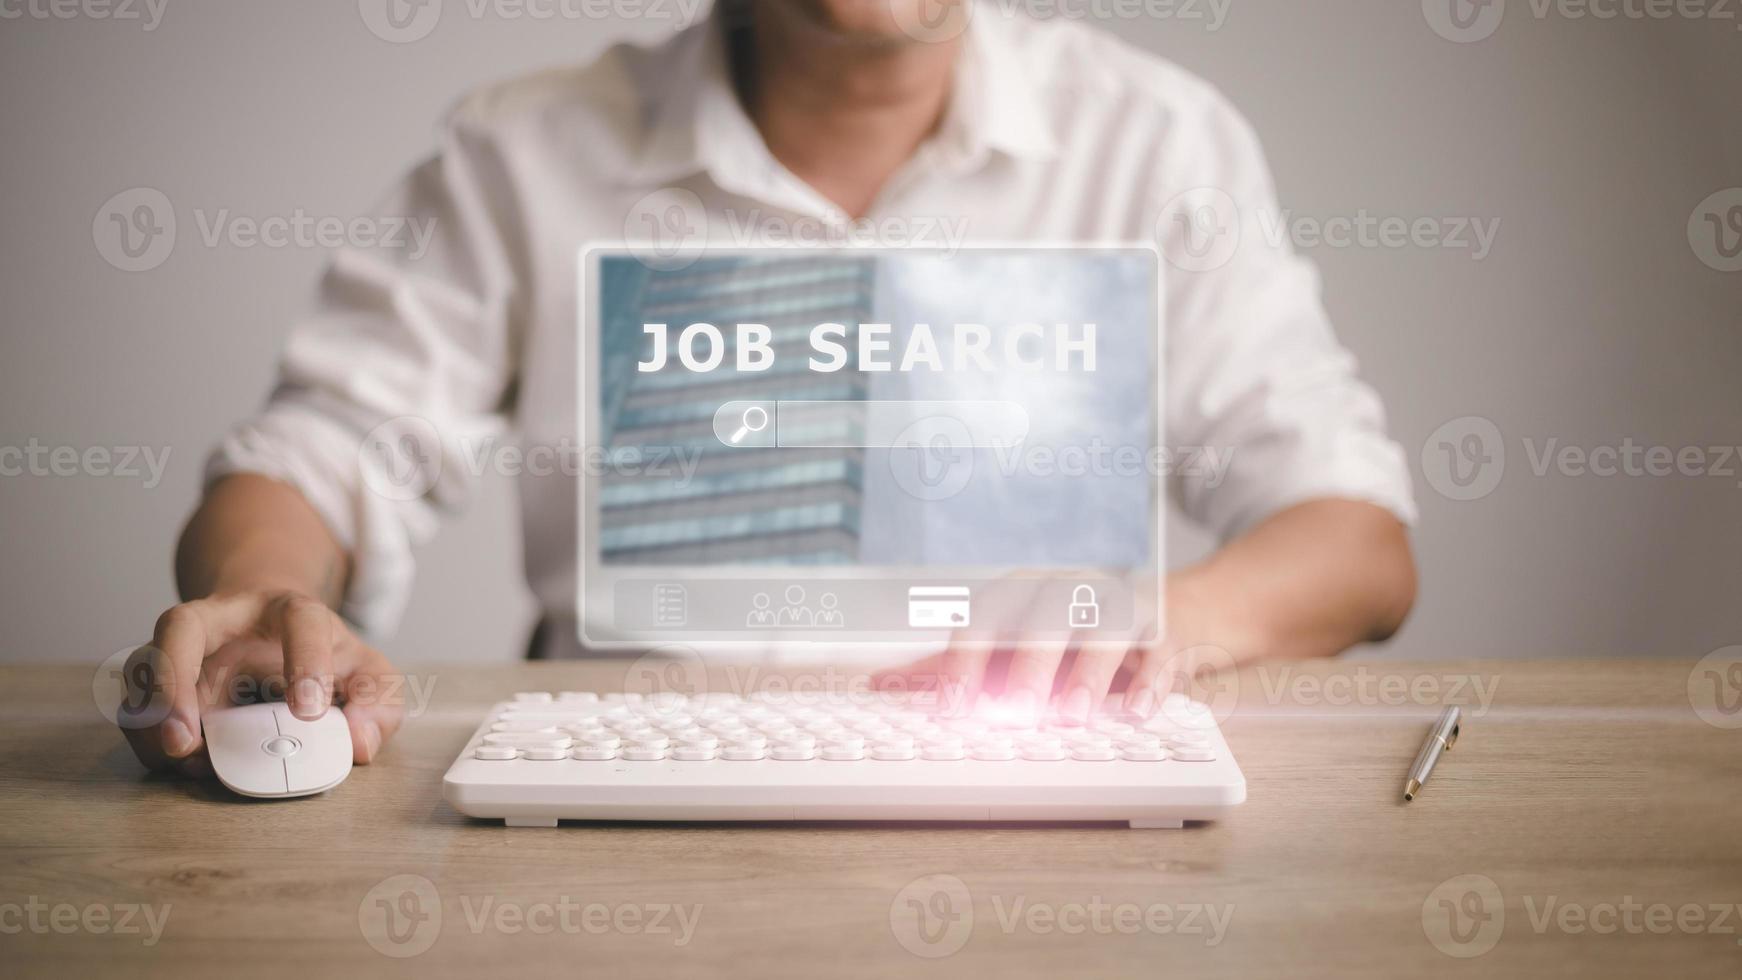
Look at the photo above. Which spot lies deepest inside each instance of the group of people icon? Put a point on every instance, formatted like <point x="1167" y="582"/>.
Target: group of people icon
<point x="795" y="614"/>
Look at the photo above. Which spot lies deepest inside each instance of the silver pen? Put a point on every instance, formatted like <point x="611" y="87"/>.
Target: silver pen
<point x="1441" y="739"/>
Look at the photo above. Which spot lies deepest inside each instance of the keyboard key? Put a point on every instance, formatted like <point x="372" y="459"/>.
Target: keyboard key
<point x="1192" y="754"/>
<point x="1089" y="752"/>
<point x="496" y="753"/>
<point x="695" y="753"/>
<point x="742" y="752"/>
<point x="595" y="753"/>
<point x="644" y="753"/>
<point x="894" y="752"/>
<point x="1040" y="752"/>
<point x="528" y="740"/>
<point x="793" y="751"/>
<point x="524" y="726"/>
<point x="1137" y="752"/>
<point x="838" y="752"/>
<point x="659" y="742"/>
<point x="934" y="752"/>
<point x="994" y="751"/>
<point x="611" y="742"/>
<point x="545" y="753"/>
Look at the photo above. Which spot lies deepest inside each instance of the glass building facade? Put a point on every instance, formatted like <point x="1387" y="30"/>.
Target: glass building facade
<point x="741" y="506"/>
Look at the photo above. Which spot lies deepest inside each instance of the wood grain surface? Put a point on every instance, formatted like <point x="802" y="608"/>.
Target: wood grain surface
<point x="1591" y="796"/>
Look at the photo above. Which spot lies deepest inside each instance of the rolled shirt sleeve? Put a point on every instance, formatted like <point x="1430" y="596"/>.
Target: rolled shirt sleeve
<point x="1255" y="374"/>
<point x="402" y="368"/>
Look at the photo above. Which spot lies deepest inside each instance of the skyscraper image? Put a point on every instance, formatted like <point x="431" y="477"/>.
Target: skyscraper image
<point x="747" y="506"/>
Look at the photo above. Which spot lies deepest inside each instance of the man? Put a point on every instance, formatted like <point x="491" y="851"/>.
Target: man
<point x="819" y="110"/>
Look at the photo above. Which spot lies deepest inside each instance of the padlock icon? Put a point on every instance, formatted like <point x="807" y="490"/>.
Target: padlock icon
<point x="1085" y="608"/>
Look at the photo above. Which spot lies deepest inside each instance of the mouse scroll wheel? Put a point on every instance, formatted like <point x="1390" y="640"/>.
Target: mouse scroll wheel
<point x="281" y="745"/>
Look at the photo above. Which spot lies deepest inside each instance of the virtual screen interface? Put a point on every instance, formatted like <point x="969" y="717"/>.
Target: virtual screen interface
<point x="869" y="444"/>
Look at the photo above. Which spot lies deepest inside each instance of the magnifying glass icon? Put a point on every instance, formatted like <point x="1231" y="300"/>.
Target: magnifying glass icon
<point x="755" y="420"/>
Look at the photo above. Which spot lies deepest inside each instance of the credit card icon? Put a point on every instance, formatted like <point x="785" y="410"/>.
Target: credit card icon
<point x="937" y="607"/>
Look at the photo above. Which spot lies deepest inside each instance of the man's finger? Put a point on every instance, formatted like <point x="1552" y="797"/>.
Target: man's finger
<point x="1149" y="683"/>
<point x="374" y="696"/>
<point x="1097" y="663"/>
<point x="181" y="637"/>
<point x="1034" y="666"/>
<point x="306" y="628"/>
<point x="961" y="672"/>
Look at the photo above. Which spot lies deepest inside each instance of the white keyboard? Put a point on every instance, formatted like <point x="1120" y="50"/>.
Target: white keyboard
<point x="545" y="757"/>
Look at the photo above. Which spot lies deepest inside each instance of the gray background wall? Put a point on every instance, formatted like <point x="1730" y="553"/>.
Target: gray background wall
<point x="1593" y="320"/>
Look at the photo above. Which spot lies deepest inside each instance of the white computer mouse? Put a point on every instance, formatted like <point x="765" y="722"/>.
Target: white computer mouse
<point x="264" y="750"/>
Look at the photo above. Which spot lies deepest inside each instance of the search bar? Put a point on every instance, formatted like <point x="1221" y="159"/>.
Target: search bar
<point x="871" y="424"/>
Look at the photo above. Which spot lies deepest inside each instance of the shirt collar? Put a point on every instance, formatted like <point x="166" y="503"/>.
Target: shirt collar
<point x="697" y="123"/>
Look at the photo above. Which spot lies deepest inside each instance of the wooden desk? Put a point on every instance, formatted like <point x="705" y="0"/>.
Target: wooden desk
<point x="1592" y="784"/>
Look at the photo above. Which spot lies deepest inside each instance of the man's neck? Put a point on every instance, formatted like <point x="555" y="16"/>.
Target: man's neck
<point x="842" y="113"/>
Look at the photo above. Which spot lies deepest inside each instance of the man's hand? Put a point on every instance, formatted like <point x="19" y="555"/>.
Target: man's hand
<point x="1310" y="581"/>
<point x="244" y="646"/>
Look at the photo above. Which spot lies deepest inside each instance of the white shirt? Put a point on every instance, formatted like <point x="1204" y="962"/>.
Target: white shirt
<point x="1055" y="133"/>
